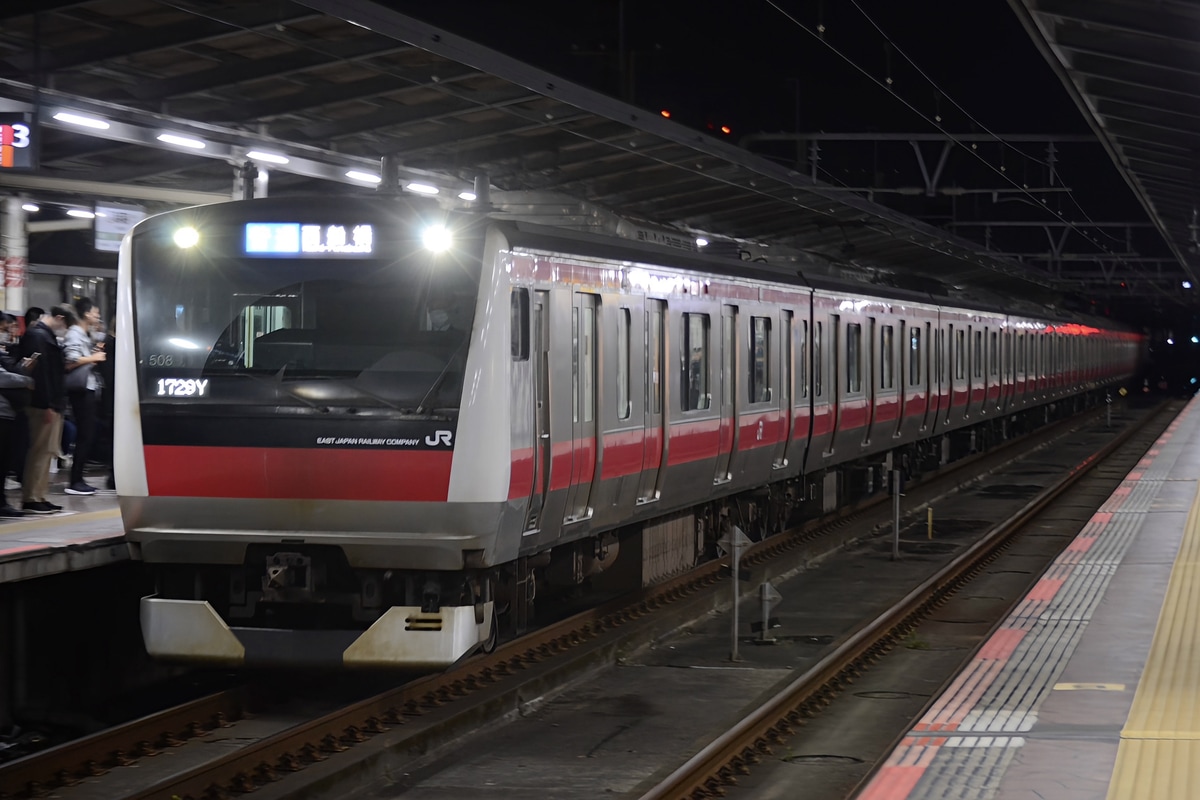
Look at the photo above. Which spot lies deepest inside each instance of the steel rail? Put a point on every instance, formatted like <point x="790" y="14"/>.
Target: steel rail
<point x="720" y="762"/>
<point x="71" y="762"/>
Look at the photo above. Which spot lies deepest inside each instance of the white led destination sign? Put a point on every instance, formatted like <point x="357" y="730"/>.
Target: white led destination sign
<point x="303" y="239"/>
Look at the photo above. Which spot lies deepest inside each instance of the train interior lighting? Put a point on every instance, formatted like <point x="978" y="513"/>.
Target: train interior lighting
<point x="422" y="188"/>
<point x="365" y="177"/>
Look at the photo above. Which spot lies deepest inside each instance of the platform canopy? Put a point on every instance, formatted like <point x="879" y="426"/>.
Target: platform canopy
<point x="167" y="102"/>
<point x="1133" y="69"/>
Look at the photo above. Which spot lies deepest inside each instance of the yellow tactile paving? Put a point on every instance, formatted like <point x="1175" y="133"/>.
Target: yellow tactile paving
<point x="1161" y="739"/>
<point x="56" y="520"/>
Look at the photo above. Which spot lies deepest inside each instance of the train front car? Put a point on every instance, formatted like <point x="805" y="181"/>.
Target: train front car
<point x="290" y="378"/>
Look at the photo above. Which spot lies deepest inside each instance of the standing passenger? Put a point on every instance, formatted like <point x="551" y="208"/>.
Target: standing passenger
<point x="46" y="406"/>
<point x="82" y="385"/>
<point x="12" y="385"/>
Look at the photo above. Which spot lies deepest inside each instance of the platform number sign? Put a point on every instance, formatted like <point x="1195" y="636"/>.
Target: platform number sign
<point x="18" y="145"/>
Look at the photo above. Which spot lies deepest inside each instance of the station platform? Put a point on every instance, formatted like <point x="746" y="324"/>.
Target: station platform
<point x="86" y="534"/>
<point x="1090" y="689"/>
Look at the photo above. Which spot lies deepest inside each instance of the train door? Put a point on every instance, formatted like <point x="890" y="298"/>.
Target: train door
<point x="584" y="394"/>
<point x="654" y="448"/>
<point x="539" y="355"/>
<point x="927" y="347"/>
<point x="835" y="379"/>
<point x="787" y="334"/>
<point x="727" y="440"/>
<point x="905" y="356"/>
<point x="870" y="380"/>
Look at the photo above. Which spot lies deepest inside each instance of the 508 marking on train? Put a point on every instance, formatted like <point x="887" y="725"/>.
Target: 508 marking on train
<point x="182" y="387"/>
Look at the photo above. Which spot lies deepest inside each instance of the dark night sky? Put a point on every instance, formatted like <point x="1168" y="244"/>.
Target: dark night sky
<point x="748" y="65"/>
<point x="738" y="62"/>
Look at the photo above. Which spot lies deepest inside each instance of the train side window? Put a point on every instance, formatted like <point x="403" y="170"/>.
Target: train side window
<point x="760" y="359"/>
<point x="960" y="355"/>
<point x="624" y="406"/>
<point x="914" y="356"/>
<point x="519" y="313"/>
<point x="994" y="353"/>
<point x="589" y="363"/>
<point x="939" y="360"/>
<point x="1020" y="365"/>
<point x="978" y="354"/>
<point x="886" y="357"/>
<point x="695" y="393"/>
<point x="853" y="357"/>
<point x="817" y="361"/>
<point x="654" y="357"/>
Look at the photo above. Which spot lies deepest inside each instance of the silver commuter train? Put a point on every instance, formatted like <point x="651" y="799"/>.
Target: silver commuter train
<point x="362" y="431"/>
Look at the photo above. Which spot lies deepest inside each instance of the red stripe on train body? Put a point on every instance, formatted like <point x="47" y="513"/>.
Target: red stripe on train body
<point x="623" y="454"/>
<point x="298" y="473"/>
<point x="693" y="441"/>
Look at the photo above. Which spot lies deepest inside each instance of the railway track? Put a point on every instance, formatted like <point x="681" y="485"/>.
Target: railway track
<point x="420" y="715"/>
<point x="718" y="767"/>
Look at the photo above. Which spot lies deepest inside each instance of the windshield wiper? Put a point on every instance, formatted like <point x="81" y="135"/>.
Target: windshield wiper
<point x="437" y="382"/>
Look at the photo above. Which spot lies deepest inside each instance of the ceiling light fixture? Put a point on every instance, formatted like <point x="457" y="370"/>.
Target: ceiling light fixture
<point x="81" y="120"/>
<point x="270" y="158"/>
<point x="422" y="188"/>
<point x="363" y="176"/>
<point x="182" y="141"/>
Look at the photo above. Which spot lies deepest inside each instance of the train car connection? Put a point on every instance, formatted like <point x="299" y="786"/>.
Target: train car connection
<point x="364" y="431"/>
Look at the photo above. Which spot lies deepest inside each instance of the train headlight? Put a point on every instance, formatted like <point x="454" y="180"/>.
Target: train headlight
<point x="186" y="237"/>
<point x="436" y="238"/>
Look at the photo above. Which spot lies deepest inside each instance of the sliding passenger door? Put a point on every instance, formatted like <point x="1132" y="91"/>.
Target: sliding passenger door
<point x="787" y="391"/>
<point x="539" y="356"/>
<point x="654" y="449"/>
<point x="584" y="396"/>
<point x="727" y="438"/>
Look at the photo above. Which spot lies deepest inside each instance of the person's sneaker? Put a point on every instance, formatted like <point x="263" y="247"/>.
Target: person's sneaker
<point x="39" y="507"/>
<point x="9" y="511"/>
<point x="53" y="506"/>
<point x="80" y="488"/>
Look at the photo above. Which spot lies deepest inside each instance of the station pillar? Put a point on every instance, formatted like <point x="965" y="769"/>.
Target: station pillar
<point x="14" y="252"/>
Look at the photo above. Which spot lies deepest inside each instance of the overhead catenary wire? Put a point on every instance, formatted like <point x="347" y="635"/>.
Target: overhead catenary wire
<point x="889" y="87"/>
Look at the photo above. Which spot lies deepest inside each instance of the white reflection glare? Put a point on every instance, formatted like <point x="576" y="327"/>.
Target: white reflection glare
<point x="185" y="344"/>
<point x="186" y="237"/>
<point x="436" y="238"/>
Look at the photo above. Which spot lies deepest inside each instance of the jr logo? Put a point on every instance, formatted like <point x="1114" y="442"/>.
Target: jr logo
<point x="440" y="437"/>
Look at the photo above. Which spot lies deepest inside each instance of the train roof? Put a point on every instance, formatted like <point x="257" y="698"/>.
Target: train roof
<point x="794" y="269"/>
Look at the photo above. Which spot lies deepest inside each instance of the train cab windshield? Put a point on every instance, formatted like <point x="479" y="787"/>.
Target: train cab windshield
<point x="366" y="315"/>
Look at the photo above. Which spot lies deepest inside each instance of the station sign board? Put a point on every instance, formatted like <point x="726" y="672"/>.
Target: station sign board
<point x="113" y="221"/>
<point x="18" y="142"/>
